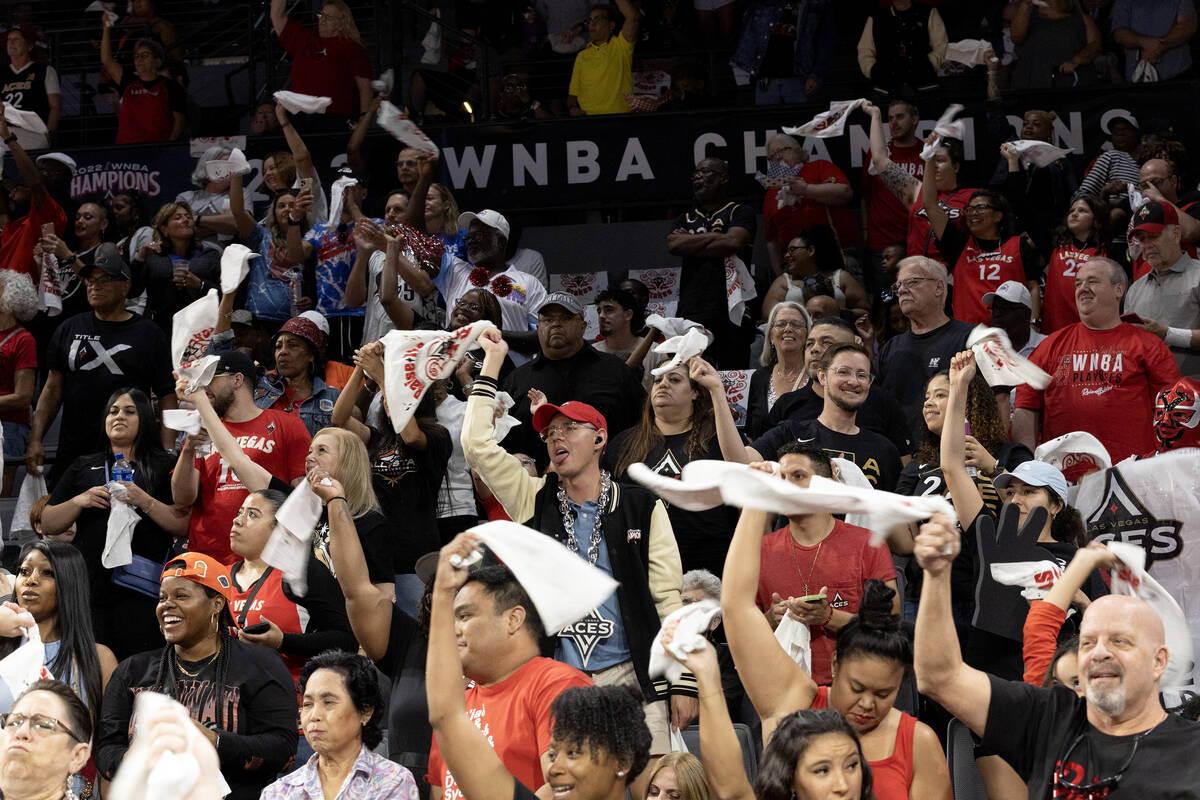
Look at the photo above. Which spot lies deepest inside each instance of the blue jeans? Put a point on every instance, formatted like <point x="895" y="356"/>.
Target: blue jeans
<point x="16" y="439"/>
<point x="780" y="91"/>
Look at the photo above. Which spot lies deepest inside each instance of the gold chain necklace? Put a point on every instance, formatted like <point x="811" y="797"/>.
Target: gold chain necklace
<point x="796" y="561"/>
<point x="202" y="666"/>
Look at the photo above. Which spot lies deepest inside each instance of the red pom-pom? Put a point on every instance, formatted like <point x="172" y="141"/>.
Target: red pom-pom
<point x="478" y="276"/>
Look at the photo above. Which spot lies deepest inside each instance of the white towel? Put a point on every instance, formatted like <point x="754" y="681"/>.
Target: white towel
<point x="1144" y="72"/>
<point x="289" y="547"/>
<point x="118" y="537"/>
<point x="235" y="266"/>
<point x="303" y="103"/>
<point x="176" y="774"/>
<point x="504" y="422"/>
<point x="563" y="587"/>
<point x="24" y="119"/>
<point x="850" y="474"/>
<point x="1000" y="364"/>
<point x="26" y="664"/>
<point x="335" y="198"/>
<point x="49" y="291"/>
<point x="432" y="42"/>
<point x="191" y="332"/>
<point x="706" y="484"/>
<point x="688" y="625"/>
<point x="1034" y="577"/>
<point x="946" y="126"/>
<point x="394" y="122"/>
<point x="829" y="123"/>
<point x="1131" y="578"/>
<point x="221" y="168"/>
<point x="690" y="344"/>
<point x="1039" y="154"/>
<point x="384" y="83"/>
<point x="110" y="16"/>
<point x="796" y="640"/>
<point x="413" y="360"/>
<point x="673" y="326"/>
<point x="186" y="420"/>
<point x="1072" y="449"/>
<point x="971" y="52"/>
<point x="739" y="288"/>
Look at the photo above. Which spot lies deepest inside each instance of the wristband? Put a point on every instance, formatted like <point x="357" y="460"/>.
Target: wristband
<point x="1178" y="337"/>
<point x="827" y="619"/>
<point x="341" y="497"/>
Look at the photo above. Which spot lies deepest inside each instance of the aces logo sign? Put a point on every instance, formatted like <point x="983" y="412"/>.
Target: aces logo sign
<point x="1122" y="516"/>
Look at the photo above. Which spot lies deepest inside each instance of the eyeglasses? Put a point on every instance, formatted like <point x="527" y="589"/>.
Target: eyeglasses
<point x="779" y="153"/>
<point x="474" y="308"/>
<point x="907" y="283"/>
<point x="846" y="372"/>
<point x="1155" y="182"/>
<point x="979" y="208"/>
<point x="1098" y="788"/>
<point x="100" y="280"/>
<point x="564" y="430"/>
<point x="40" y="723"/>
<point x="794" y="324"/>
<point x="793" y="248"/>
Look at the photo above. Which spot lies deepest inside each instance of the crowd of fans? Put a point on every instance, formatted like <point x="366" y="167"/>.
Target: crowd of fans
<point x="861" y="371"/>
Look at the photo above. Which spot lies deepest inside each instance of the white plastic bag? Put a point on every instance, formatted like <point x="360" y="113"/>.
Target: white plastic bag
<point x="33" y="487"/>
<point x="678" y="745"/>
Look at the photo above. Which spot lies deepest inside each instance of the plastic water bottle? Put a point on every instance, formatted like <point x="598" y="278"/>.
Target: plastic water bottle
<point x="121" y="471"/>
<point x="296" y="292"/>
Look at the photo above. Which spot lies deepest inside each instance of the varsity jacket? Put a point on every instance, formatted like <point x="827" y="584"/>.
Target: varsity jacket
<point x="637" y="533"/>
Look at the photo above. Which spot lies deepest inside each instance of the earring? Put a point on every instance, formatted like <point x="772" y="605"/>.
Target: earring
<point x="620" y="773"/>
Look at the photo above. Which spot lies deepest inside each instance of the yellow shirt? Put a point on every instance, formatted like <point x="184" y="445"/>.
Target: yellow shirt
<point x="603" y="75"/>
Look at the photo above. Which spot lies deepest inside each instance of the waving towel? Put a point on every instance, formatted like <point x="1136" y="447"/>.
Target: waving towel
<point x="404" y="129"/>
<point x="413" y="360"/>
<point x="191" y="332"/>
<point x="971" y="52"/>
<point x="946" y="126"/>
<point x="303" y="103"/>
<point x="1000" y="364"/>
<point x="690" y="344"/>
<point x="235" y="266"/>
<point x="687" y="626"/>
<point x="1039" y="154"/>
<point x="290" y="545"/>
<point x="829" y="123"/>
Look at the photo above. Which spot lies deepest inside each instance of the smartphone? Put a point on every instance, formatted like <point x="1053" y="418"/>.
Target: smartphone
<point x="47" y="229"/>
<point x="1132" y="317"/>
<point x="306" y="185"/>
<point x="813" y="598"/>
<point x="261" y="627"/>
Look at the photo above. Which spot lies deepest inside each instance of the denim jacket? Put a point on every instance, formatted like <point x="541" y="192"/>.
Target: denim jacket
<point x="316" y="411"/>
<point x="815" y="36"/>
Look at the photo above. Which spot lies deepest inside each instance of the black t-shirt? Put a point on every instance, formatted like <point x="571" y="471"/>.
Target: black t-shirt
<point x="157" y="274"/>
<point x="702" y="295"/>
<point x="376" y="535"/>
<point x="1034" y="729"/>
<point x="26" y="90"/>
<point x="409" y="732"/>
<point x="877" y="457"/>
<point x="703" y="536"/>
<point x="909" y="360"/>
<point x="258" y="711"/>
<point x="91" y="527"/>
<point x="407" y="481"/>
<point x="880" y="413"/>
<point x="96" y="358"/>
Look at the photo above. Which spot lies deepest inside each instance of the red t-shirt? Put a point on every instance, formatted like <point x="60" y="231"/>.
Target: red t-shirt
<point x="784" y="224"/>
<point x="269" y="601"/>
<point x="148" y="108"/>
<point x="1102" y="382"/>
<point x="887" y="216"/>
<point x="326" y="67"/>
<point x="19" y="352"/>
<point x="893" y="775"/>
<point x="514" y="714"/>
<point x="843" y="561"/>
<point x="21" y="234"/>
<point x="921" y="241"/>
<point x="1058" y="299"/>
<point x="978" y="271"/>
<point x="276" y="441"/>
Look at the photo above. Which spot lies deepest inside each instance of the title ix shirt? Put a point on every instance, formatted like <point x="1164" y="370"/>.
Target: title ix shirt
<point x="276" y="441"/>
<point x="1102" y="382"/>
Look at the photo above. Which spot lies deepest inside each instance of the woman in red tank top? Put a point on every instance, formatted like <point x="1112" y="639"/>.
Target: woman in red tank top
<point x="1081" y="237"/>
<point x="873" y="654"/>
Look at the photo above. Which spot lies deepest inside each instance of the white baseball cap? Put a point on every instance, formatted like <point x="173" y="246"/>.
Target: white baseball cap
<point x="493" y="219"/>
<point x="61" y="158"/>
<point x="1013" y="292"/>
<point x="318" y="319"/>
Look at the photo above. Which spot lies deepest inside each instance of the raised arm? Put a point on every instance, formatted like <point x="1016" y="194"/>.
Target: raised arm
<point x="964" y="494"/>
<point x="343" y="416"/>
<point x="31" y="176"/>
<point x="941" y="674"/>
<point x="279" y="16"/>
<point x="414" y="214"/>
<point x="730" y="441"/>
<point x="1047" y="615"/>
<point x="354" y="146"/>
<point x="242" y="218"/>
<point x="110" y="64"/>
<point x="369" y="609"/>
<point x="630" y="28"/>
<point x="298" y="250"/>
<point x="938" y="218"/>
<point x="477" y="769"/>
<point x="253" y="476"/>
<point x="776" y="685"/>
<point x="300" y="154"/>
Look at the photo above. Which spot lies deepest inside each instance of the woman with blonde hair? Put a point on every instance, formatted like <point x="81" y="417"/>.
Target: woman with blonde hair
<point x="175" y="267"/>
<point x="677" y="776"/>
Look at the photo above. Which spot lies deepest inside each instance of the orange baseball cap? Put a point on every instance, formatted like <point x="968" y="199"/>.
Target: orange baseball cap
<point x="201" y="569"/>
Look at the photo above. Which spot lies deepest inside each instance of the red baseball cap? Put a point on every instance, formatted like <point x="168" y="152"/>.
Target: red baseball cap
<point x="201" y="569"/>
<point x="572" y="409"/>
<point x="1153" y="216"/>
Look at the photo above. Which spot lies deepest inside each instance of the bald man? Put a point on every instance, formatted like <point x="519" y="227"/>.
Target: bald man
<point x="1116" y="742"/>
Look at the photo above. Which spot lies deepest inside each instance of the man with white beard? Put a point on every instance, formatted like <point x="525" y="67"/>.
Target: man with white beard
<point x="1118" y="742"/>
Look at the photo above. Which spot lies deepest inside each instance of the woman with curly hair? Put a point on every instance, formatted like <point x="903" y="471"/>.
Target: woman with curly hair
<point x="599" y="742"/>
<point x="341" y="711"/>
<point x="678" y="426"/>
<point x="873" y="654"/>
<point x="1083" y="235"/>
<point x="175" y="267"/>
<point x="18" y="373"/>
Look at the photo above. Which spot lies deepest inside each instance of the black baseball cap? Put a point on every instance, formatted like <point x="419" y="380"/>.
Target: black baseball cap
<point x="108" y="261"/>
<point x="233" y="362"/>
